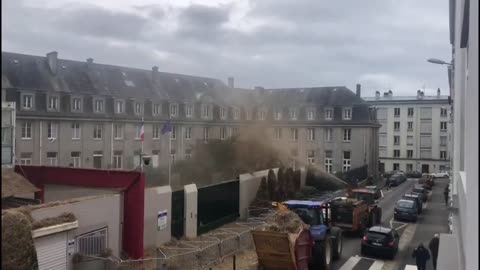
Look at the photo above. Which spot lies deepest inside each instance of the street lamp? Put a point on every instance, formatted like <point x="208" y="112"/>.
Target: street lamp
<point x="438" y="61"/>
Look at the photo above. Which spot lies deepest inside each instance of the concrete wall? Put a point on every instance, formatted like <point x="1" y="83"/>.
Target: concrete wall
<point x="157" y="199"/>
<point x="249" y="184"/>
<point x="191" y="204"/>
<point x="92" y="213"/>
<point x="62" y="192"/>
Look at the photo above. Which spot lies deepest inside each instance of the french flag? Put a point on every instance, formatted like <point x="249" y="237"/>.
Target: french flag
<point x="142" y="132"/>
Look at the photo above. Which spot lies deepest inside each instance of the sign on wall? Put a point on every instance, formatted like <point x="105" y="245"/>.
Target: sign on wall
<point x="162" y="220"/>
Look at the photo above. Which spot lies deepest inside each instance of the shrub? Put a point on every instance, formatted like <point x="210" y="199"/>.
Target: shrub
<point x="272" y="185"/>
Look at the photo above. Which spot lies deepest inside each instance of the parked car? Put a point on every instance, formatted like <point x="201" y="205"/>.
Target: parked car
<point x="405" y="210"/>
<point x="380" y="240"/>
<point x="440" y="175"/>
<point x="396" y="179"/>
<point x="413" y="174"/>
<point x="416" y="198"/>
<point x="418" y="189"/>
<point x="378" y="192"/>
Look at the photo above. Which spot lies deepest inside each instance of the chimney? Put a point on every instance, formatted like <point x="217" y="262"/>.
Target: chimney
<point x="438" y="92"/>
<point x="154" y="72"/>
<point x="419" y="93"/>
<point x="52" y="61"/>
<point x="390" y="93"/>
<point x="359" y="89"/>
<point x="89" y="62"/>
<point x="231" y="82"/>
<point x="377" y="94"/>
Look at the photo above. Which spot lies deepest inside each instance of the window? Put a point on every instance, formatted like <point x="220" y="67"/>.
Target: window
<point x="278" y="134"/>
<point x="173" y="135"/>
<point x="328" y="134"/>
<point x="188" y="133"/>
<point x="223" y="133"/>
<point x="51" y="131"/>
<point x="409" y="140"/>
<point x="409" y="167"/>
<point x="26" y="159"/>
<point x="52" y="158"/>
<point x="27" y="130"/>
<point x="443" y="126"/>
<point x="188" y="154"/>
<point x="138" y="131"/>
<point x="248" y="115"/>
<point x="293" y="114"/>
<point x="156" y="132"/>
<point x="119" y="106"/>
<point x="117" y="160"/>
<point x="236" y="114"/>
<point x="97" y="159"/>
<point x="173" y="110"/>
<point x="155" y="158"/>
<point x="294" y="134"/>
<point x="443" y="112"/>
<point x="97" y="131"/>
<point x="188" y="110"/>
<point x="410" y="126"/>
<point x="347" y="114"/>
<point x="235" y="131"/>
<point x="76" y="104"/>
<point x="347" y="134"/>
<point x="410" y="112"/>
<point x="443" y="154"/>
<point x="328" y="161"/>
<point x="311" y="156"/>
<point x="310" y="114"/>
<point x="311" y="134"/>
<point x="396" y="166"/>
<point x="346" y="161"/>
<point x="277" y="114"/>
<point x="409" y="153"/>
<point x="205" y="134"/>
<point x="138" y="108"/>
<point x="92" y="243"/>
<point x="223" y="113"/>
<point x="396" y="112"/>
<point x="76" y="131"/>
<point x="75" y="159"/>
<point x="329" y="114"/>
<point x="442" y="168"/>
<point x="157" y="109"/>
<point x="396" y="140"/>
<point x="27" y="101"/>
<point x="98" y="106"/>
<point x="443" y="140"/>
<point x="261" y="115"/>
<point x="205" y="111"/>
<point x="118" y="131"/>
<point x="52" y="103"/>
<point x="396" y="153"/>
<point x="396" y="126"/>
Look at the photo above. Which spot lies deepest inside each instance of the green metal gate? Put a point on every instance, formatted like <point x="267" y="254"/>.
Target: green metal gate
<point x="178" y="213"/>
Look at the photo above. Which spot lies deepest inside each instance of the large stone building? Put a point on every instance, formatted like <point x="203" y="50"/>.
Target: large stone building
<point x="84" y="114"/>
<point x="415" y="132"/>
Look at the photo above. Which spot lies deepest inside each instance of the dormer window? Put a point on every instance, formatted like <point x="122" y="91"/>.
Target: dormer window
<point x="261" y="115"/>
<point x="138" y="108"/>
<point x="277" y="114"/>
<point x="119" y="106"/>
<point x="223" y="113"/>
<point x="52" y="103"/>
<point x="157" y="109"/>
<point x="310" y="114"/>
<point x="205" y="111"/>
<point x="27" y="101"/>
<point x="293" y="114"/>
<point x="328" y="113"/>
<point x="248" y="115"/>
<point x="189" y="110"/>
<point x="76" y="104"/>
<point x="236" y="114"/>
<point x="347" y="114"/>
<point x="98" y="105"/>
<point x="173" y="110"/>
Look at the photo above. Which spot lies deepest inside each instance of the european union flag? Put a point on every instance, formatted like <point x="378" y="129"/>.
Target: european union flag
<point x="167" y="127"/>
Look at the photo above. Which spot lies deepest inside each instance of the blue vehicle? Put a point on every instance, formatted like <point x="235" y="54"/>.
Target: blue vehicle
<point x="406" y="210"/>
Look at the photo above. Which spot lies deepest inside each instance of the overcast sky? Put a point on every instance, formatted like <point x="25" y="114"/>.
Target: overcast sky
<point x="382" y="44"/>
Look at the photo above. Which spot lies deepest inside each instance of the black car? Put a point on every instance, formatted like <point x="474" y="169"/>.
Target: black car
<point x="422" y="191"/>
<point x="380" y="240"/>
<point x="406" y="210"/>
<point x="396" y="179"/>
<point x="416" y="198"/>
<point x="413" y="174"/>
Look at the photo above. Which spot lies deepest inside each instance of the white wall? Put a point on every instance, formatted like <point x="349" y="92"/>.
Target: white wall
<point x="249" y="184"/>
<point x="157" y="199"/>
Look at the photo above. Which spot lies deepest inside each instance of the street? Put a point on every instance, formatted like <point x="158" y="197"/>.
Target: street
<point x="432" y="220"/>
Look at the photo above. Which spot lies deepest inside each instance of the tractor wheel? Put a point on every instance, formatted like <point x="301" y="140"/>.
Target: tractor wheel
<point x="337" y="245"/>
<point x="322" y="254"/>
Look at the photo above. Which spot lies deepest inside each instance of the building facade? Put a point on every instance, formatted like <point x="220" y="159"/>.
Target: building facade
<point x="8" y="134"/>
<point x="459" y="250"/>
<point x="83" y="114"/>
<point x="415" y="132"/>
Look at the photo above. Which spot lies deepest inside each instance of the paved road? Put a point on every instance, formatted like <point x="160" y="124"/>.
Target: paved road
<point x="351" y="244"/>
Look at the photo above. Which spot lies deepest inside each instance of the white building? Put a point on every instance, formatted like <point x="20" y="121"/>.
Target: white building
<point x="415" y="131"/>
<point x="459" y="250"/>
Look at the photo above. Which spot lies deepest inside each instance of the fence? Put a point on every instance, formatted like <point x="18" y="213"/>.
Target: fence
<point x="178" y="213"/>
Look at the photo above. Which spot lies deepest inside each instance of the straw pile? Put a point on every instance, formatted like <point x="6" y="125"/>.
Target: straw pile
<point x="285" y="221"/>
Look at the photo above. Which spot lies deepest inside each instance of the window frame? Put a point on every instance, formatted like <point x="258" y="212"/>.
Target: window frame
<point x="173" y="109"/>
<point x="52" y="130"/>
<point x="277" y="133"/>
<point x="347" y="162"/>
<point x="328" y="161"/>
<point x="116" y="128"/>
<point x="156" y="109"/>
<point x="121" y="103"/>
<point x="347" y="136"/>
<point x="396" y="151"/>
<point x="349" y="114"/>
<point x="311" y="158"/>
<point x="56" y="103"/>
<point x="156" y="130"/>
<point x="412" y="110"/>
<point x="311" y="114"/>
<point x="97" y="131"/>
<point x="74" y="159"/>
<point x="23" y="101"/>
<point x="223" y="133"/>
<point x="101" y="102"/>
<point x="74" y="129"/>
<point x="223" y="113"/>
<point x="446" y="126"/>
<point x="73" y="104"/>
<point x="138" y="108"/>
<point x="27" y="128"/>
<point x="329" y="114"/>
<point x="188" y="133"/>
<point x="189" y="109"/>
<point x="395" y="112"/>
<point x="395" y="124"/>
<point x="294" y="134"/>
<point x="329" y="134"/>
<point x="310" y="134"/>
<point x="293" y="114"/>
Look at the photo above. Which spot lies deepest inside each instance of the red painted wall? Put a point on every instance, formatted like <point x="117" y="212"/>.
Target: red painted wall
<point x="132" y="182"/>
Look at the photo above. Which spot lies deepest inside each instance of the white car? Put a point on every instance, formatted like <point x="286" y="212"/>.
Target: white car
<point x="440" y="175"/>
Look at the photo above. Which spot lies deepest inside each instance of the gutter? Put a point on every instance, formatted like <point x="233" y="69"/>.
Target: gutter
<point x="54" y="229"/>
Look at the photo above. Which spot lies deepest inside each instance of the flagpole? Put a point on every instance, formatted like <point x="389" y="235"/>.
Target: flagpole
<point x="170" y="153"/>
<point x="141" y="150"/>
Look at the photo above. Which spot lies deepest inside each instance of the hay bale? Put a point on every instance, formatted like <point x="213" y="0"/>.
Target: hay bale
<point x="18" y="250"/>
<point x="46" y="222"/>
<point x="284" y="221"/>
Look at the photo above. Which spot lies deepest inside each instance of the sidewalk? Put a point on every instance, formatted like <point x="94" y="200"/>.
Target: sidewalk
<point x="434" y="219"/>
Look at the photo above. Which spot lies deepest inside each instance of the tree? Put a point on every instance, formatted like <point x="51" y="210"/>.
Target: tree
<point x="289" y="183"/>
<point x="297" y="179"/>
<point x="272" y="185"/>
<point x="281" y="183"/>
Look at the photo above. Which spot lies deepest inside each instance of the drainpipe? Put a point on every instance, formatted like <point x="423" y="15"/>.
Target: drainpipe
<point x="111" y="147"/>
<point x="40" y="144"/>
